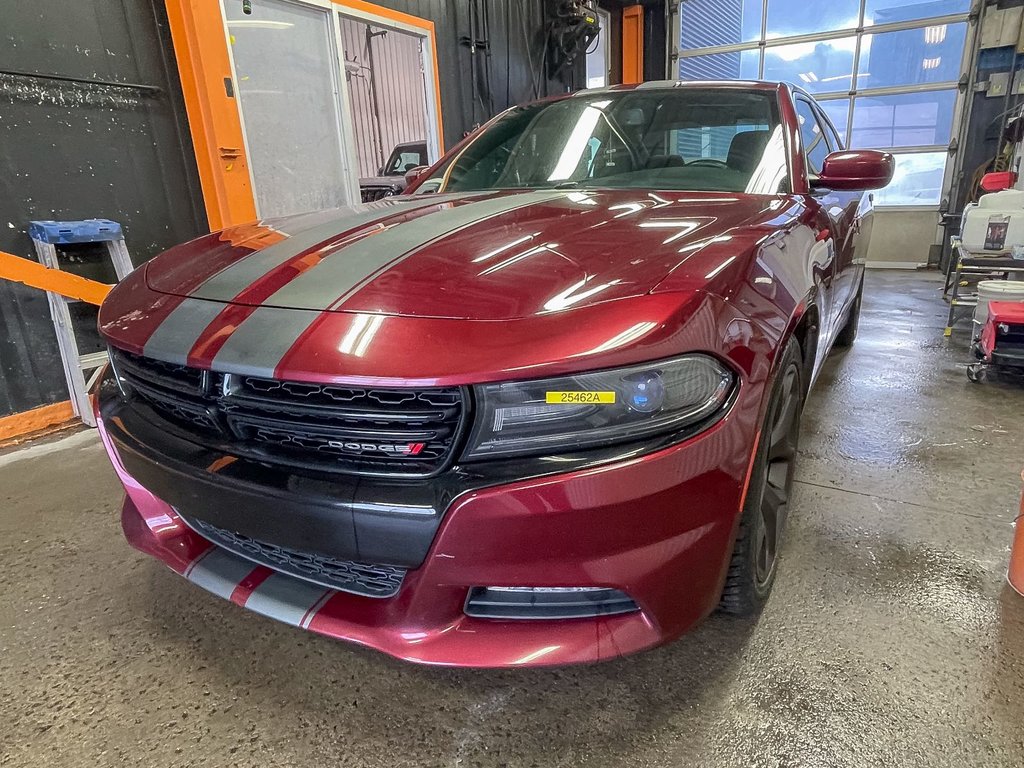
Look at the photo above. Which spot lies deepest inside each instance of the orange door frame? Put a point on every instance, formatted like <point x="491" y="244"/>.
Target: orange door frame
<point x="201" y="50"/>
<point x="633" y="44"/>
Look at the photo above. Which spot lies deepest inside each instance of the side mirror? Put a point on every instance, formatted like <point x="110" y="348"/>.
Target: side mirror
<point x="414" y="173"/>
<point x="856" y="170"/>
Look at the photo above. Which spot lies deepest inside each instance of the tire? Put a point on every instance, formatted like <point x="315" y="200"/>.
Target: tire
<point x="846" y="337"/>
<point x="755" y="554"/>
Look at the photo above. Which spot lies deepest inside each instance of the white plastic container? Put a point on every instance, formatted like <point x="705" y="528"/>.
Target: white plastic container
<point x="996" y="290"/>
<point x="995" y="223"/>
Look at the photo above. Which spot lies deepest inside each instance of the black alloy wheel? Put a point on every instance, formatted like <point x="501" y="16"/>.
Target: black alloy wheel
<point x="755" y="556"/>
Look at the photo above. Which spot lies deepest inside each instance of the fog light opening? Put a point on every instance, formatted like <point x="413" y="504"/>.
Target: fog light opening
<point x="547" y="602"/>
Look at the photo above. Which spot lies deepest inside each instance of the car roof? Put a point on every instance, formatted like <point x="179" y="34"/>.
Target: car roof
<point x="420" y="143"/>
<point x="745" y="85"/>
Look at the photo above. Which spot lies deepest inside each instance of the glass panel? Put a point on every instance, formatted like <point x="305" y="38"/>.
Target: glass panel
<point x="787" y="18"/>
<point x="704" y="23"/>
<point x="904" y="120"/>
<point x="912" y="56"/>
<point x="818" y="67"/>
<point x="816" y="148"/>
<point x="286" y="63"/>
<point x="917" y="181"/>
<point x="740" y="65"/>
<point x="838" y="111"/>
<point x="889" y="11"/>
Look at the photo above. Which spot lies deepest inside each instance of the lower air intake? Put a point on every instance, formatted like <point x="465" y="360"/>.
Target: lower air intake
<point x="343" y="575"/>
<point x="546" y="602"/>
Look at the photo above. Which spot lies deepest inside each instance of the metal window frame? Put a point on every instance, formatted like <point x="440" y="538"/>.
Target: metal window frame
<point x="675" y="56"/>
<point x="431" y="87"/>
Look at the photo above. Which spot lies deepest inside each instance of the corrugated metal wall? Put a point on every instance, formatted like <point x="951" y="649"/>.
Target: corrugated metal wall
<point x="384" y="70"/>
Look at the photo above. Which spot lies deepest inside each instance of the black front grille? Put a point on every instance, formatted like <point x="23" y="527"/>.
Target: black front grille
<point x="328" y="427"/>
<point x="369" y="194"/>
<point x="347" y="576"/>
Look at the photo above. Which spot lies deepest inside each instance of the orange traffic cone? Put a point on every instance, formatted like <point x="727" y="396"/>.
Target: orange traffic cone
<point x="1015" y="573"/>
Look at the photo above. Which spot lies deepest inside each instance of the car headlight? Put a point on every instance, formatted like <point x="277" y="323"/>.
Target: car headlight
<point x="602" y="408"/>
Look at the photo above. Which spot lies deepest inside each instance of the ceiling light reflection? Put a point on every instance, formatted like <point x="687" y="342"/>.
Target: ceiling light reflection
<point x="684" y="227"/>
<point x="360" y="334"/>
<point x="581" y="134"/>
<point x="771" y="168"/>
<point x="569" y="296"/>
<point x="502" y="249"/>
<point x="719" y="268"/>
<point x="537" y="654"/>
<point x="627" y="208"/>
<point x="629" y="335"/>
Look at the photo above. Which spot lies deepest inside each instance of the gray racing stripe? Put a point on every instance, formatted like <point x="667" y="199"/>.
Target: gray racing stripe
<point x="285" y="598"/>
<point x="174" y="337"/>
<point x="338" y="276"/>
<point x="228" y="283"/>
<point x="260" y="342"/>
<point x="220" y="572"/>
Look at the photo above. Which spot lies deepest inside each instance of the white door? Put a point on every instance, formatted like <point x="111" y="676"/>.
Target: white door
<point x="287" y="76"/>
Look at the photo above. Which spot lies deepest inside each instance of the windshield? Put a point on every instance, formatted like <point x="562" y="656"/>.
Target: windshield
<point x="721" y="139"/>
<point x="404" y="158"/>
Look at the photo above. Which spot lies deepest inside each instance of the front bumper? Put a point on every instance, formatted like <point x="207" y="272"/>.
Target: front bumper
<point x="658" y="527"/>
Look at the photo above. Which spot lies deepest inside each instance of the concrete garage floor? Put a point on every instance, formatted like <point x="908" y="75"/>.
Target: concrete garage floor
<point x="890" y="638"/>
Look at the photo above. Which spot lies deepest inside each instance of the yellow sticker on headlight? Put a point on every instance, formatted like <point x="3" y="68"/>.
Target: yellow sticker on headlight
<point x="575" y="398"/>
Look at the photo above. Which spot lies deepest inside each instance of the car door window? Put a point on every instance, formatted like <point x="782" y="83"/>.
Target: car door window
<point x="835" y="143"/>
<point x="816" y="147"/>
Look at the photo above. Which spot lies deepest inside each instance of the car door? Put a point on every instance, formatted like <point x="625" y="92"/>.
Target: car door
<point x="849" y="208"/>
<point x="827" y="208"/>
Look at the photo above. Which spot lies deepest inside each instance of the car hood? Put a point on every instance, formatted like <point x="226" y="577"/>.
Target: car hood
<point x="486" y="256"/>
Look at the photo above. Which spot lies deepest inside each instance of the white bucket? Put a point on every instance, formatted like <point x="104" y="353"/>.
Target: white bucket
<point x="996" y="290"/>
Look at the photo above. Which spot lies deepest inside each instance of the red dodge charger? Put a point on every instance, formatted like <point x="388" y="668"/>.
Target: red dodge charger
<point x="543" y="408"/>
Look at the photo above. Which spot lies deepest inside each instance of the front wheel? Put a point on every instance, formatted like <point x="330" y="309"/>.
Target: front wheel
<point x="756" y="552"/>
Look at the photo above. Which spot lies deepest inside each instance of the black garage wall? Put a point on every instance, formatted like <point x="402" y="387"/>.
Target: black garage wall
<point x="91" y="125"/>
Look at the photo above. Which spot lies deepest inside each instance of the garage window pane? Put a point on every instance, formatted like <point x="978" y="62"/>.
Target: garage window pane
<point x="838" y="111"/>
<point x="924" y="55"/>
<point x="704" y="23"/>
<point x="889" y="11"/>
<point x="818" y="67"/>
<point x="917" y="181"/>
<point x="904" y="120"/>
<point x="740" y="65"/>
<point x="787" y="18"/>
